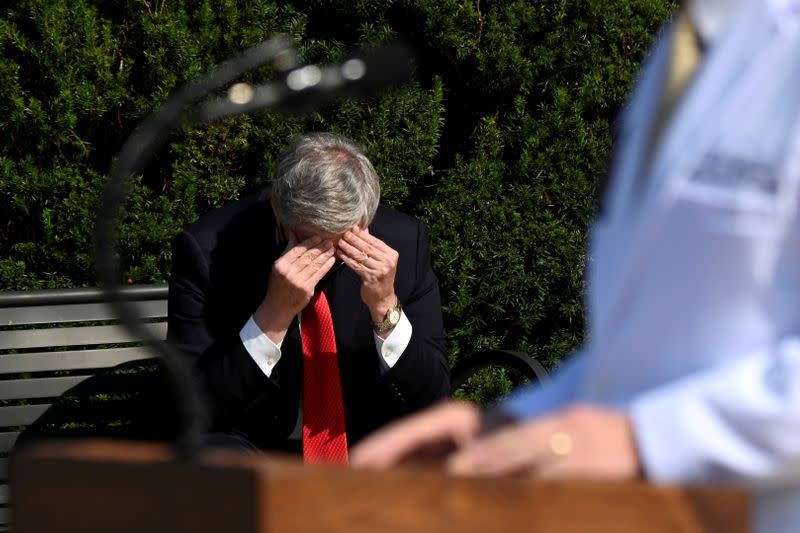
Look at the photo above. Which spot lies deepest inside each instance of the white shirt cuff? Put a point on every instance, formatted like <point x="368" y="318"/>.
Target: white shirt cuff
<point x="392" y="347"/>
<point x="264" y="352"/>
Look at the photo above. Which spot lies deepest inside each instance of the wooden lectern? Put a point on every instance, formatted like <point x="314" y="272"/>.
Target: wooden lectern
<point x="121" y="487"/>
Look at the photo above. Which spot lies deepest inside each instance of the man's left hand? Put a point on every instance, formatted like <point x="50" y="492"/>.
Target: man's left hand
<point x="376" y="263"/>
<point x="579" y="442"/>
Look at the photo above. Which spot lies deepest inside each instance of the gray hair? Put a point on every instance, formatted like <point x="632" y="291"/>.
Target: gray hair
<point x="325" y="181"/>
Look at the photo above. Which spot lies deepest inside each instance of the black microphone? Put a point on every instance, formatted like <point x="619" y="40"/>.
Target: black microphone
<point x="307" y="87"/>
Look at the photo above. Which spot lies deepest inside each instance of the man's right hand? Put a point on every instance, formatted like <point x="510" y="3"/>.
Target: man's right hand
<point x="291" y="283"/>
<point x="429" y="435"/>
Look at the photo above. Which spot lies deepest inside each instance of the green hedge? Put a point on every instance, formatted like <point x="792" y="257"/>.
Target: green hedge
<point x="497" y="144"/>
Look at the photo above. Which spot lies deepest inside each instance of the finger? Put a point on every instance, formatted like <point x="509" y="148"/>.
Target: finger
<point x="315" y="259"/>
<point x="354" y="238"/>
<point x="311" y="255"/>
<point x="350" y="249"/>
<point x="556" y="468"/>
<point x="507" y="451"/>
<point x="365" y="236"/>
<point x="354" y="265"/>
<point x="354" y="253"/>
<point x="298" y="249"/>
<point x="380" y="254"/>
<point x="365" y="268"/>
<point x="449" y="422"/>
<point x="399" y="442"/>
<point x="323" y="268"/>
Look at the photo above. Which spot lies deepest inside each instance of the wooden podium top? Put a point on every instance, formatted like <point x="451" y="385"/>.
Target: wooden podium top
<point x="106" y="486"/>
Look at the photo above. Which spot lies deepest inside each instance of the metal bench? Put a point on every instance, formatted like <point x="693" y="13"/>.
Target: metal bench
<point x="51" y="341"/>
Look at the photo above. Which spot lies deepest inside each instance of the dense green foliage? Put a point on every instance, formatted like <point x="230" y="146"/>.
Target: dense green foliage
<point x="497" y="145"/>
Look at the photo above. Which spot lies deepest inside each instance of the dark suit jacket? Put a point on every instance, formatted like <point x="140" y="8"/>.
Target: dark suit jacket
<point x="221" y="267"/>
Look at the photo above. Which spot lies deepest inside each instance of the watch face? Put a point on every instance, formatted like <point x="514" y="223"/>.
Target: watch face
<point x="394" y="316"/>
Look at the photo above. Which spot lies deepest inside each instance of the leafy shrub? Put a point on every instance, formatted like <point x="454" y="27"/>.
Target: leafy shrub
<point x="497" y="144"/>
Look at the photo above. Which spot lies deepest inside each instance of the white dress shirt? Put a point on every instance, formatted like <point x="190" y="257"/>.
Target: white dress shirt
<point x="267" y="354"/>
<point x="693" y="292"/>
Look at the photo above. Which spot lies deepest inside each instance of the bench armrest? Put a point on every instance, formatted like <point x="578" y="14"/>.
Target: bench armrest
<point x="519" y="361"/>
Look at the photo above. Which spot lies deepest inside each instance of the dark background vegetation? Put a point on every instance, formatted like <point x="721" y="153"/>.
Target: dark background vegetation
<point x="498" y="144"/>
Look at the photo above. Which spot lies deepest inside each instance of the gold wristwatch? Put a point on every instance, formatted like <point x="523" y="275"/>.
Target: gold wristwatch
<point x="390" y="320"/>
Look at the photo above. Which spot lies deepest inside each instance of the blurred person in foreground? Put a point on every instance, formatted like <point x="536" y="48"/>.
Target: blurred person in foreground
<point x="691" y="370"/>
<point x="311" y="313"/>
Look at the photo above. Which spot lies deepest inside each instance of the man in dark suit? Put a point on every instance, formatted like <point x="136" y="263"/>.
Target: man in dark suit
<point x="243" y="275"/>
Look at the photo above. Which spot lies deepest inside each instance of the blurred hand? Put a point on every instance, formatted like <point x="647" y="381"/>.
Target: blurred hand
<point x="430" y="434"/>
<point x="291" y="283"/>
<point x="376" y="263"/>
<point x="579" y="442"/>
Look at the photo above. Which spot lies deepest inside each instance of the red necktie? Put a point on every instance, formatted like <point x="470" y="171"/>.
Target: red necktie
<point x="324" y="437"/>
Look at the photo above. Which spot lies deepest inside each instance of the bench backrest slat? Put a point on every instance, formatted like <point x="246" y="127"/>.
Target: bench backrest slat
<point x="23" y="389"/>
<point x="71" y="360"/>
<point x="80" y="295"/>
<point x="78" y="336"/>
<point x="58" y="314"/>
<point x="20" y="415"/>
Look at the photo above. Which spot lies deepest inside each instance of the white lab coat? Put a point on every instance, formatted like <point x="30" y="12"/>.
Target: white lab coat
<point x="694" y="273"/>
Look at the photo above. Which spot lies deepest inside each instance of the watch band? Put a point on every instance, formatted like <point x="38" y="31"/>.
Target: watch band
<point x="390" y="320"/>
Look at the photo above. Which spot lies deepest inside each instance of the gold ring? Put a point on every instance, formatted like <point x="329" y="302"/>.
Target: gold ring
<point x="561" y="443"/>
<point x="366" y="258"/>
